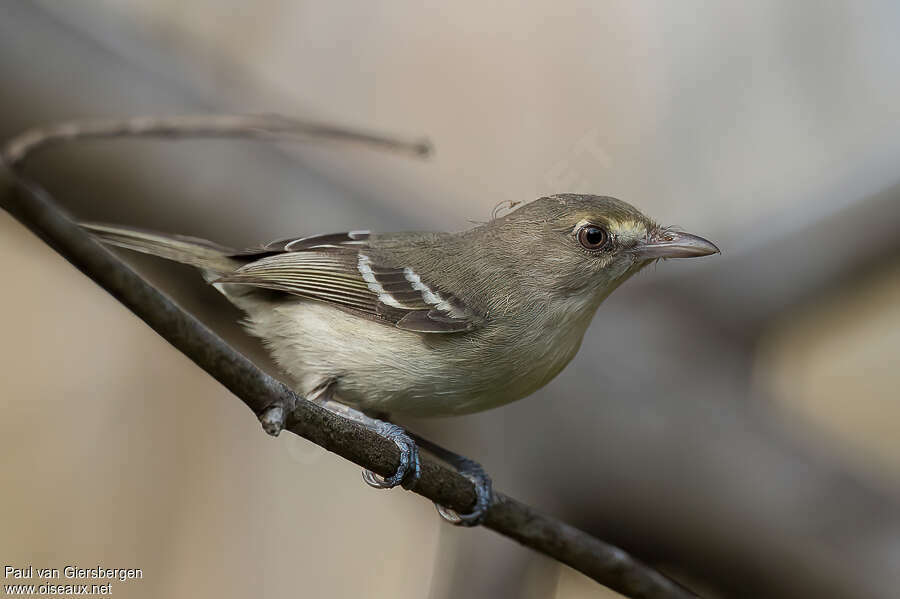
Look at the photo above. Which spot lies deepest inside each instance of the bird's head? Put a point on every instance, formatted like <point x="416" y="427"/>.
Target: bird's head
<point x="585" y="245"/>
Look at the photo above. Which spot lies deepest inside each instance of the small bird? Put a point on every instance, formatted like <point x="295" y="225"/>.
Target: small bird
<point x="430" y="324"/>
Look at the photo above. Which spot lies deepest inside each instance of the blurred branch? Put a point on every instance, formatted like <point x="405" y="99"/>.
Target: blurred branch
<point x="262" y="127"/>
<point x="34" y="208"/>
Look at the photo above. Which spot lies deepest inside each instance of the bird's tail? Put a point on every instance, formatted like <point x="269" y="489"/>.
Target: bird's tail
<point x="206" y="255"/>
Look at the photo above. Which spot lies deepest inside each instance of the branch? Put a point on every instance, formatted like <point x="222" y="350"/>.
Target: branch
<point x="262" y="127"/>
<point x="35" y="209"/>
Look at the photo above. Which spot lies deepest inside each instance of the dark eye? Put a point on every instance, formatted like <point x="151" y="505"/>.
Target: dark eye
<point x="592" y="237"/>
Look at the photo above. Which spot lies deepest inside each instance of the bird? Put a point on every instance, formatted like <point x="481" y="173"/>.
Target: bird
<point x="430" y="323"/>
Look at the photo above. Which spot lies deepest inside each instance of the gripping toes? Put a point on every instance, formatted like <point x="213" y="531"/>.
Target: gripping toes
<point x="272" y="420"/>
<point x="408" y="471"/>
<point x="484" y="495"/>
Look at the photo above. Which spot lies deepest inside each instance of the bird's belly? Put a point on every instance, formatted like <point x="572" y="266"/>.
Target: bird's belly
<point x="384" y="369"/>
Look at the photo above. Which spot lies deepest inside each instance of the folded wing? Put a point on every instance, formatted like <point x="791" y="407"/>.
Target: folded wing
<point x="343" y="270"/>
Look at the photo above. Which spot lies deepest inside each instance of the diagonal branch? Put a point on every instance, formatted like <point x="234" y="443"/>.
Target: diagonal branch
<point x="34" y="208"/>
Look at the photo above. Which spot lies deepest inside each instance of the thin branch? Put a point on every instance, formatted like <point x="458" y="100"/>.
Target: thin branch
<point x="262" y="127"/>
<point x="34" y="208"/>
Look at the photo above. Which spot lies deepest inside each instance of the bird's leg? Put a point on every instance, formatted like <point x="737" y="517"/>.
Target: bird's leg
<point x="407" y="474"/>
<point x="408" y="471"/>
<point x="472" y="470"/>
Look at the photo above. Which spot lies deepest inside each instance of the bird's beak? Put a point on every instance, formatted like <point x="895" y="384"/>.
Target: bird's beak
<point x="673" y="244"/>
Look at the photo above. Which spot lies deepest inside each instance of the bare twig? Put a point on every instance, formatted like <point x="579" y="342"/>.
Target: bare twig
<point x="265" y="127"/>
<point x="34" y="208"/>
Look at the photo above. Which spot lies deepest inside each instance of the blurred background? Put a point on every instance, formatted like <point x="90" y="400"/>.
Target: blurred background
<point x="731" y="420"/>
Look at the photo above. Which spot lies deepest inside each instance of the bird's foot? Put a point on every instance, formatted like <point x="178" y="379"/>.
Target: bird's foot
<point x="484" y="495"/>
<point x="272" y="420"/>
<point x="408" y="471"/>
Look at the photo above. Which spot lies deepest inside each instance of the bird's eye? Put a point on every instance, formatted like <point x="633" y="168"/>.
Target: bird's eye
<point x="592" y="237"/>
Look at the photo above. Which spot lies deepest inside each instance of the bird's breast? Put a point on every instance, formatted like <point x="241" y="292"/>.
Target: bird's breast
<point x="385" y="369"/>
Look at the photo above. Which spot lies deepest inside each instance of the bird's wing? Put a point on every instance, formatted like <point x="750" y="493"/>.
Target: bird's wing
<point x="343" y="270"/>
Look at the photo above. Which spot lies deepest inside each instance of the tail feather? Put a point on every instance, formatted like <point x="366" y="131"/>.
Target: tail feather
<point x="197" y="252"/>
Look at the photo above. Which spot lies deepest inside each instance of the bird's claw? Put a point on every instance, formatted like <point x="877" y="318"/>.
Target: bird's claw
<point x="408" y="471"/>
<point x="484" y="495"/>
<point x="272" y="420"/>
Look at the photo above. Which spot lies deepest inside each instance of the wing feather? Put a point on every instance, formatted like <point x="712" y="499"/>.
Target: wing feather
<point x="341" y="269"/>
